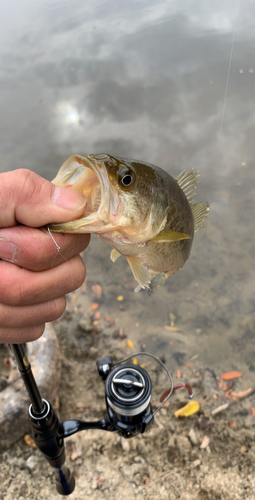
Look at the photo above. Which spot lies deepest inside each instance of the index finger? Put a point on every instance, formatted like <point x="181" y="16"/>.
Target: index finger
<point x="34" y="249"/>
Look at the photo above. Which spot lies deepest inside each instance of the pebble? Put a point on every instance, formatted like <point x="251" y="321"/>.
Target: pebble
<point x="125" y="445"/>
<point x="183" y="444"/>
<point x="196" y="463"/>
<point x="193" y="437"/>
<point x="139" y="460"/>
<point x="31" y="462"/>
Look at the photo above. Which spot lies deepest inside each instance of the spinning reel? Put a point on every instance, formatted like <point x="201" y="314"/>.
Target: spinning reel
<point x="128" y="403"/>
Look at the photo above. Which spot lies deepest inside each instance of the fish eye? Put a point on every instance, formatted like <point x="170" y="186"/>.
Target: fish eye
<point x="127" y="180"/>
<point x="126" y="177"/>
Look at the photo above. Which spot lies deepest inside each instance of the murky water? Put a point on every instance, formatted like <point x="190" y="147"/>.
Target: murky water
<point x="168" y="82"/>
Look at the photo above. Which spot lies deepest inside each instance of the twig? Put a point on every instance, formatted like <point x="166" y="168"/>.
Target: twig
<point x="226" y="405"/>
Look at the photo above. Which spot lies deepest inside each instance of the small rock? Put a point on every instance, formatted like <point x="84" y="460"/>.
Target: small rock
<point x="125" y="445"/>
<point x="205" y="442"/>
<point x="31" y="462"/>
<point x="172" y="452"/>
<point x="94" y="483"/>
<point x="193" y="437"/>
<point x="142" y="448"/>
<point x="183" y="444"/>
<point x="85" y="324"/>
<point x="196" y="463"/>
<point x="139" y="460"/>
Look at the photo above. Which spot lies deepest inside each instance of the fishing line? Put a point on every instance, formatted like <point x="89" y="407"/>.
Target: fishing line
<point x="223" y="111"/>
<point x="227" y="82"/>
<point x="57" y="246"/>
<point x="53" y="239"/>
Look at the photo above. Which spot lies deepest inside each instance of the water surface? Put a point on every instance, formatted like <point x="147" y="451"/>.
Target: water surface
<point x="171" y="83"/>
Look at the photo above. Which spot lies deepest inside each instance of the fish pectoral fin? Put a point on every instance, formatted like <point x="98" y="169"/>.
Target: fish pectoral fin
<point x="114" y="255"/>
<point x="199" y="211"/>
<point x="157" y="281"/>
<point x="140" y="272"/>
<point x="166" y="236"/>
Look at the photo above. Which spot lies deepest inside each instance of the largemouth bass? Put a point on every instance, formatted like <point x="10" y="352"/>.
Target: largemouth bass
<point x="139" y="209"/>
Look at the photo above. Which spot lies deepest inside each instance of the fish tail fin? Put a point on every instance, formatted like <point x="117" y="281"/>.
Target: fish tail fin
<point x="156" y="282"/>
<point x="199" y="211"/>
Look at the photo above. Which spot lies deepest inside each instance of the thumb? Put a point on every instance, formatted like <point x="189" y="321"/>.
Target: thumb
<point x="27" y="198"/>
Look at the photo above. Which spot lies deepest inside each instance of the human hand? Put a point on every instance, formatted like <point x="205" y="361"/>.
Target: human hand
<point x="34" y="277"/>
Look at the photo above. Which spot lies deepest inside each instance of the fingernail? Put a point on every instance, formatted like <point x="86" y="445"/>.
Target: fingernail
<point x="7" y="250"/>
<point x="68" y="198"/>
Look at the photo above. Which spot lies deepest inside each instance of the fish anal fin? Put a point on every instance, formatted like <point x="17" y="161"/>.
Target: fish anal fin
<point x="199" y="211"/>
<point x="166" y="236"/>
<point x="114" y="255"/>
<point x="140" y="272"/>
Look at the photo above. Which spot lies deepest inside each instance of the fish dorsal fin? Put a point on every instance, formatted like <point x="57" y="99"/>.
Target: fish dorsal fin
<point x="114" y="255"/>
<point x="166" y="236"/>
<point x="140" y="272"/>
<point x="187" y="182"/>
<point x="199" y="211"/>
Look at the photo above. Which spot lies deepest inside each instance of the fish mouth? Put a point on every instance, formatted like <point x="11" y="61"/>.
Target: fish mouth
<point x="88" y="175"/>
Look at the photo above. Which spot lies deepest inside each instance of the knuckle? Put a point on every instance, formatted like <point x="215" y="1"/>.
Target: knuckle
<point x="58" y="307"/>
<point x="78" y="272"/>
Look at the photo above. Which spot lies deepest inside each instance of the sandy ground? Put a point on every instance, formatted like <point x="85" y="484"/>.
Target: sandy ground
<point x="168" y="461"/>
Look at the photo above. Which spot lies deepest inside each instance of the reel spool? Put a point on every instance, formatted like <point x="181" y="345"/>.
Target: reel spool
<point x="128" y="395"/>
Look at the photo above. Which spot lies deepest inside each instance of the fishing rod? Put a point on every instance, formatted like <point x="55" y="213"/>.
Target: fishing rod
<point x="128" y="408"/>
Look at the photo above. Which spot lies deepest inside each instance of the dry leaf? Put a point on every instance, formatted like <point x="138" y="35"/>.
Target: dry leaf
<point x="97" y="315"/>
<point x="230" y="375"/>
<point x="173" y="329"/>
<point x="205" y="442"/>
<point x="252" y="411"/>
<point x="130" y="344"/>
<point x="172" y="318"/>
<point x="93" y="307"/>
<point x="80" y="406"/>
<point x="99" y="482"/>
<point x="73" y="298"/>
<point x="232" y="424"/>
<point x="74" y="453"/>
<point x="146" y="480"/>
<point x="178" y="373"/>
<point x="187" y="410"/>
<point x="215" y="396"/>
<point x="29" y="441"/>
<point x="95" y="323"/>
<point x="97" y="290"/>
<point x="7" y="363"/>
<point x="110" y="320"/>
<point x="120" y="298"/>
<point x="241" y="394"/>
<point x="135" y="361"/>
<point x="56" y="402"/>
